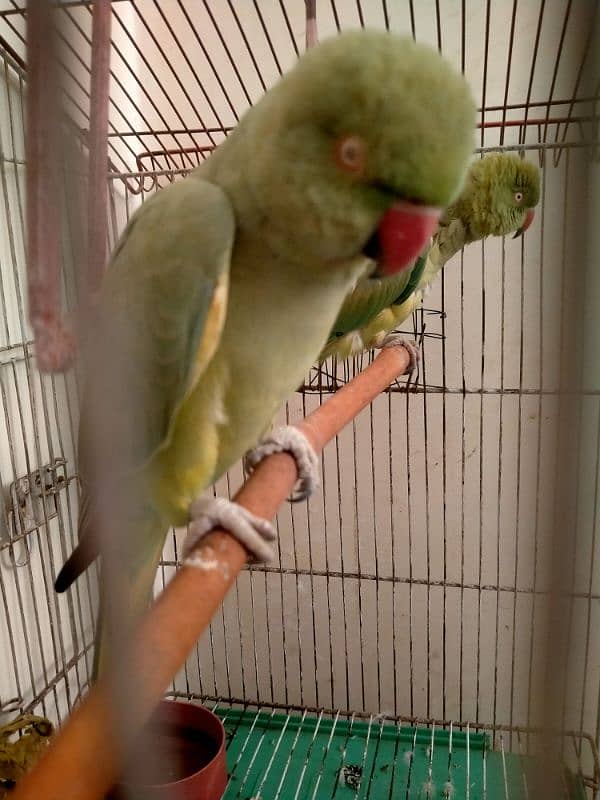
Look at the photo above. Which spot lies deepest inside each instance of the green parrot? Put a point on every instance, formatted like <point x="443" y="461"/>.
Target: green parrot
<point x="498" y="198"/>
<point x="225" y="285"/>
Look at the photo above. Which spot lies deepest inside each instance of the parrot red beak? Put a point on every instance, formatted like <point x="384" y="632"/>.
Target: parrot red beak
<point x="402" y="235"/>
<point x="526" y="224"/>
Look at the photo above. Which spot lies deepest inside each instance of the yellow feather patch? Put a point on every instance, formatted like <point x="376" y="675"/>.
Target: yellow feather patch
<point x="212" y="331"/>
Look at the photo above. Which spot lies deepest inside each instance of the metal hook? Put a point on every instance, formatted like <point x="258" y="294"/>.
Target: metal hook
<point x="12" y="562"/>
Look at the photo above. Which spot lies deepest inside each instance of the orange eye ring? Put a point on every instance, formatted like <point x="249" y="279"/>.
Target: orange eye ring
<point x="351" y="154"/>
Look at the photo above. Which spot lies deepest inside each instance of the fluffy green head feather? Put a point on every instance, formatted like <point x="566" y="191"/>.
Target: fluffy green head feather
<point x="499" y="191"/>
<point x="414" y="113"/>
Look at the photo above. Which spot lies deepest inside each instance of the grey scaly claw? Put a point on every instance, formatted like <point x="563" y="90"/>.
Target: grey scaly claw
<point x="399" y="340"/>
<point x="291" y="440"/>
<point x="253" y="532"/>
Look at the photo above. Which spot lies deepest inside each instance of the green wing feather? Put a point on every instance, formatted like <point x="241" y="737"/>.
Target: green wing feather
<point x="162" y="309"/>
<point x="375" y="307"/>
<point x="164" y="297"/>
<point x="366" y="300"/>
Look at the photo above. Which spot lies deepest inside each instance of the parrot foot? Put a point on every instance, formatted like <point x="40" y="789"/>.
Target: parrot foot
<point x="289" y="439"/>
<point x="399" y="340"/>
<point x="253" y="532"/>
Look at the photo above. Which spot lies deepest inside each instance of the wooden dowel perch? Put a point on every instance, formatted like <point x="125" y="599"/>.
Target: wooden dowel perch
<point x="53" y="340"/>
<point x="312" y="35"/>
<point x="83" y="761"/>
<point x="98" y="144"/>
<point x="49" y="137"/>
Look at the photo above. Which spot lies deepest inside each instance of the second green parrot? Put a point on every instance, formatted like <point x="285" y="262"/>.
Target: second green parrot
<point x="498" y="198"/>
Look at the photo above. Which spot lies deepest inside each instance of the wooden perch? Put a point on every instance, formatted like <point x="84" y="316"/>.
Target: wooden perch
<point x="53" y="339"/>
<point x="47" y="151"/>
<point x="98" y="144"/>
<point x="84" y="759"/>
<point x="312" y="35"/>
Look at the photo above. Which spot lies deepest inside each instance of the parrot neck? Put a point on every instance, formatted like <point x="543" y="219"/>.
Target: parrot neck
<point x="451" y="238"/>
<point x="295" y="298"/>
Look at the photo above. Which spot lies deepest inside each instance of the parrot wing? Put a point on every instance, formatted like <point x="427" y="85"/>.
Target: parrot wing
<point x="448" y="240"/>
<point x="165" y="295"/>
<point x="163" y="306"/>
<point x="365" y="303"/>
<point x="367" y="299"/>
<point x="381" y="305"/>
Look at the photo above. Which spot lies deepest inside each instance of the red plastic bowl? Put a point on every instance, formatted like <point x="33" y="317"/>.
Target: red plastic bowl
<point x="187" y="743"/>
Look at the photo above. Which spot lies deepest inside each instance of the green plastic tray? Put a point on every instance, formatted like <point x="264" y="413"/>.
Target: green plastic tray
<point x="297" y="757"/>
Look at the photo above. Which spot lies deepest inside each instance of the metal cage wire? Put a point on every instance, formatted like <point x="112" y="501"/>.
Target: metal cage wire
<point x="416" y="585"/>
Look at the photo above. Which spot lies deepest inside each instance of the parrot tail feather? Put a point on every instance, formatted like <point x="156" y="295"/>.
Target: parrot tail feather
<point x="79" y="560"/>
<point x="136" y="582"/>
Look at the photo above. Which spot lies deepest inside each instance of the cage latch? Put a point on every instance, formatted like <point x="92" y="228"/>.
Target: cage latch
<point x="34" y="498"/>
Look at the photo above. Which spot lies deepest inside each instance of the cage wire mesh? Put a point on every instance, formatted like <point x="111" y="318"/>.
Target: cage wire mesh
<point x="415" y="586"/>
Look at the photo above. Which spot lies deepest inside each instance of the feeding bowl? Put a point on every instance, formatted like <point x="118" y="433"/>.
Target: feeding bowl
<point x="180" y="757"/>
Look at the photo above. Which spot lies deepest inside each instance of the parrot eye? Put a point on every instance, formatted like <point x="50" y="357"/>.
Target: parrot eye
<point x="351" y="154"/>
<point x="518" y="196"/>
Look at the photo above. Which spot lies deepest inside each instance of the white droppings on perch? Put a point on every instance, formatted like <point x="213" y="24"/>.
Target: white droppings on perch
<point x="202" y="561"/>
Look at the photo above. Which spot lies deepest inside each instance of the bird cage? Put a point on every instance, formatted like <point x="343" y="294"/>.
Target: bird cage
<point x="410" y="639"/>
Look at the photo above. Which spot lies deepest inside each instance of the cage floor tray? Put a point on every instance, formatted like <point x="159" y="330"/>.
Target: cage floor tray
<point x="301" y="757"/>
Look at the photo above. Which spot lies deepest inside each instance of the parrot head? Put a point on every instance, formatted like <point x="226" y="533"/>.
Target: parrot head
<point x="499" y="197"/>
<point x="361" y="147"/>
